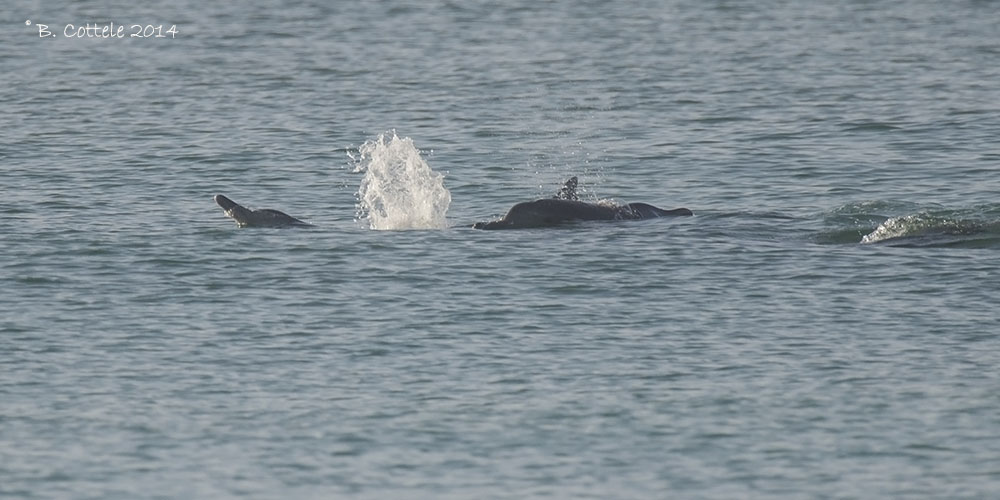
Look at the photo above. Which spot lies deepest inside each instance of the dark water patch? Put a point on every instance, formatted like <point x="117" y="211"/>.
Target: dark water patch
<point x="987" y="111"/>
<point x="870" y="126"/>
<point x="840" y="237"/>
<point x="721" y="119"/>
<point x="945" y="238"/>
<point x="40" y="280"/>
<point x="14" y="328"/>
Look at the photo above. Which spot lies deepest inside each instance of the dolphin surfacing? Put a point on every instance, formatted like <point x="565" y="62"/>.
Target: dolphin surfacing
<point x="264" y="217"/>
<point x="566" y="207"/>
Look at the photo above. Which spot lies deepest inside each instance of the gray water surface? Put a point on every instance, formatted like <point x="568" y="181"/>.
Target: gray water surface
<point x="149" y="348"/>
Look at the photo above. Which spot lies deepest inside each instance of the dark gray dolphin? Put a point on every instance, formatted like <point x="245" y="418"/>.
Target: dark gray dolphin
<point x="265" y="217"/>
<point x="566" y="207"/>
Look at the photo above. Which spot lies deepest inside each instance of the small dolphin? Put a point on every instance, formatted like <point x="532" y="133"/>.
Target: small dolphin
<point x="565" y="206"/>
<point x="264" y="217"/>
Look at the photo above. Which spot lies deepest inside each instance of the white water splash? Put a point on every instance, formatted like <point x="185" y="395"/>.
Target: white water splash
<point x="399" y="189"/>
<point x="894" y="227"/>
<point x="920" y="225"/>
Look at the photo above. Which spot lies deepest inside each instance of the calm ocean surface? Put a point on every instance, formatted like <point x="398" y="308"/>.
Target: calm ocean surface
<point x="825" y="326"/>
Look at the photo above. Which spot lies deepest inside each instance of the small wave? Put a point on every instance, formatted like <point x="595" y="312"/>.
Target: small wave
<point x="399" y="189"/>
<point x="901" y="223"/>
<point x="923" y="226"/>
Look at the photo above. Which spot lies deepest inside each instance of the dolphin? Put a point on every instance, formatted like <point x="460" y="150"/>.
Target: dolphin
<point x="264" y="217"/>
<point x="565" y="206"/>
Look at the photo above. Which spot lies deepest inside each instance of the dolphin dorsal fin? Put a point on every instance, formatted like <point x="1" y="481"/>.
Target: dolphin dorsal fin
<point x="568" y="191"/>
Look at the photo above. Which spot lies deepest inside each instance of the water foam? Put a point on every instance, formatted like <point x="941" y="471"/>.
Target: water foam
<point x="399" y="189"/>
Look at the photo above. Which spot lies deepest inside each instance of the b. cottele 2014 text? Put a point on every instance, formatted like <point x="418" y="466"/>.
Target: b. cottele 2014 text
<point x="111" y="30"/>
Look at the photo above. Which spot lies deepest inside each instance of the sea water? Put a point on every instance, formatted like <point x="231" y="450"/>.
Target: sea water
<point x="824" y="326"/>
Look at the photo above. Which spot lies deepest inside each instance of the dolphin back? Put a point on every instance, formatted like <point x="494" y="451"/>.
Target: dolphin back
<point x="647" y="211"/>
<point x="268" y="217"/>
